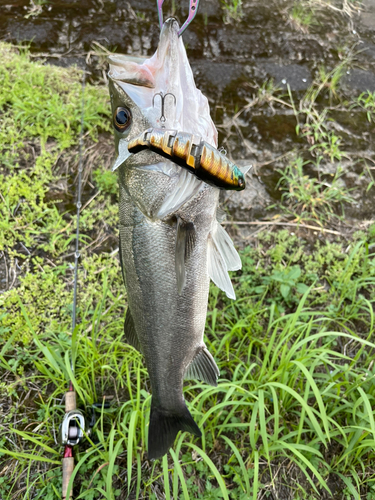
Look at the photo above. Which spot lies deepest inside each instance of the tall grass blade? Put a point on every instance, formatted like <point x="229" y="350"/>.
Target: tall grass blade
<point x="303" y="459"/>
<point x="112" y="457"/>
<point x="262" y="421"/>
<point x="317" y="395"/>
<point x="256" y="475"/>
<point x="130" y="444"/>
<point x="369" y="410"/>
<point x="305" y="405"/>
<point x="178" y="469"/>
<point x="245" y="475"/>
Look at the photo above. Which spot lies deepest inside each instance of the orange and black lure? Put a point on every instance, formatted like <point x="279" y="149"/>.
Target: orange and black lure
<point x="193" y="153"/>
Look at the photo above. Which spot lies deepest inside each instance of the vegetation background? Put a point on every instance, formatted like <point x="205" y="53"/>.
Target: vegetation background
<point x="292" y="416"/>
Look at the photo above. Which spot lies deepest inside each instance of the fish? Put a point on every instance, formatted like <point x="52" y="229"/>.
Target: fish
<point x="170" y="241"/>
<point x="188" y="151"/>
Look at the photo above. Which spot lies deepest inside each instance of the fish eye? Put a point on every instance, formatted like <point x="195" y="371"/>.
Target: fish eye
<point x="122" y="119"/>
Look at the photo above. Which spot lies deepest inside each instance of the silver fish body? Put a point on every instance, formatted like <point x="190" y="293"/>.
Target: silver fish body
<point x="169" y="325"/>
<point x="170" y="246"/>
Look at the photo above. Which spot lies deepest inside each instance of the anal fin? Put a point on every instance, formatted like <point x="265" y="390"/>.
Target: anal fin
<point x="130" y="333"/>
<point x="203" y="367"/>
<point x="185" y="241"/>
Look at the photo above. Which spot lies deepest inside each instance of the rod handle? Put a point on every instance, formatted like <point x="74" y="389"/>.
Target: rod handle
<point x="68" y="467"/>
<point x="70" y="401"/>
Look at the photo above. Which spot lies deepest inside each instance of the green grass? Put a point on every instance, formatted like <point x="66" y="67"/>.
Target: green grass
<point x="366" y="101"/>
<point x="293" y="407"/>
<point x="302" y="16"/>
<point x="312" y="199"/>
<point x="232" y="10"/>
<point x="296" y="386"/>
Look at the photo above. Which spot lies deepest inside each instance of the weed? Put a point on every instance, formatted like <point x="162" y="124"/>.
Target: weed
<point x="267" y="93"/>
<point x="288" y="282"/>
<point x="308" y="198"/>
<point x="302" y="16"/>
<point x="331" y="79"/>
<point x="35" y="8"/>
<point x="366" y="101"/>
<point x="106" y="181"/>
<point x="322" y="140"/>
<point x="232" y="10"/>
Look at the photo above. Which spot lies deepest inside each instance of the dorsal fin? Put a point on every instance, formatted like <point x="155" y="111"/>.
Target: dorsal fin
<point x="203" y="367"/>
<point x="185" y="241"/>
<point x="130" y="333"/>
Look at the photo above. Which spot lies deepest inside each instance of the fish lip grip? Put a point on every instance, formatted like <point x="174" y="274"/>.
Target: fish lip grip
<point x="193" y="8"/>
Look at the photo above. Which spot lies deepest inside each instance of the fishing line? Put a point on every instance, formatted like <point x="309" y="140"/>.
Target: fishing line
<point x="78" y="205"/>
<point x="73" y="424"/>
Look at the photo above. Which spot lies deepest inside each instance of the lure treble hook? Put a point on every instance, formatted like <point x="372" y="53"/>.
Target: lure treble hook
<point x="193" y="8"/>
<point x="162" y="99"/>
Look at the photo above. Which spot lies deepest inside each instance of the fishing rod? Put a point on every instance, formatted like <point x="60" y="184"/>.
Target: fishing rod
<point x="73" y="424"/>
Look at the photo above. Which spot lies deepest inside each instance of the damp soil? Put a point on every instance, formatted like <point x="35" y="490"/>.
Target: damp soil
<point x="231" y="60"/>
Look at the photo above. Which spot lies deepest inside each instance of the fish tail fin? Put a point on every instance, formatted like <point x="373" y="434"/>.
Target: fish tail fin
<point x="164" y="427"/>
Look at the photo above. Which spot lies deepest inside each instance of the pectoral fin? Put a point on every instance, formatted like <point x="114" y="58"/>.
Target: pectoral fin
<point x="221" y="215"/>
<point x="221" y="258"/>
<point x="203" y="367"/>
<point x="130" y="333"/>
<point x="185" y="242"/>
<point x="218" y="271"/>
<point x="187" y="187"/>
<point x="226" y="248"/>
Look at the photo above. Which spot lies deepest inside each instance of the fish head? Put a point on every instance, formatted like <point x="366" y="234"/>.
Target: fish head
<point x="157" y="92"/>
<point x="128" y="78"/>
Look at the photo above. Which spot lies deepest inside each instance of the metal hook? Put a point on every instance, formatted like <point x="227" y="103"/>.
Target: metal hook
<point x="162" y="98"/>
<point x="193" y="8"/>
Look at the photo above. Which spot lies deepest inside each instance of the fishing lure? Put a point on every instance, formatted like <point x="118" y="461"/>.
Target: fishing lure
<point x="193" y="153"/>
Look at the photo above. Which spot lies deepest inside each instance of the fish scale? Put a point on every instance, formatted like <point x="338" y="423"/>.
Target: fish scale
<point x="149" y="252"/>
